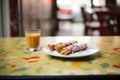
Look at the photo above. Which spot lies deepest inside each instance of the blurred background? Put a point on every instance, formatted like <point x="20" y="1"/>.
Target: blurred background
<point x="53" y="17"/>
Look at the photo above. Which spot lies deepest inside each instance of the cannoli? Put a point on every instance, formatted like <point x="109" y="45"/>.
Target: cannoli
<point x="51" y="47"/>
<point x="60" y="45"/>
<point x="73" y="48"/>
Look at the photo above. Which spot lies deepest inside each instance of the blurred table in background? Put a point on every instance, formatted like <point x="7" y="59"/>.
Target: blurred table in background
<point x="109" y="21"/>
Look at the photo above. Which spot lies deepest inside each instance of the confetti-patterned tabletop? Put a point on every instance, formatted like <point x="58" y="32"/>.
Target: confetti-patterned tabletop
<point x="16" y="60"/>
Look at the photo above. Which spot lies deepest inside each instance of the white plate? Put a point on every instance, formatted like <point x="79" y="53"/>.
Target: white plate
<point x="92" y="49"/>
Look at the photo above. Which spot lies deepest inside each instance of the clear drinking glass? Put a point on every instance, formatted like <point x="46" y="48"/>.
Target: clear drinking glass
<point x="33" y="39"/>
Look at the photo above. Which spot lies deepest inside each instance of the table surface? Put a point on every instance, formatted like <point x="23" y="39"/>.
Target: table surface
<point x="16" y="60"/>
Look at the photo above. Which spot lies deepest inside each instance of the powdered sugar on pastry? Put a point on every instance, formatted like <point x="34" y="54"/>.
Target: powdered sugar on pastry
<point x="73" y="48"/>
<point x="67" y="48"/>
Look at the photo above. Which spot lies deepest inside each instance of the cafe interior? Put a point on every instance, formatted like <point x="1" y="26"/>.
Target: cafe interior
<point x="60" y="18"/>
<point x="71" y="39"/>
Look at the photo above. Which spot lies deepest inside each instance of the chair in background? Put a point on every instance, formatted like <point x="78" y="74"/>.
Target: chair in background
<point x="109" y="22"/>
<point x="90" y="25"/>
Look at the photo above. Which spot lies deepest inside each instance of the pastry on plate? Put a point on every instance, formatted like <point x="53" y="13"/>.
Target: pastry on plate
<point x="66" y="48"/>
<point x="60" y="45"/>
<point x="73" y="48"/>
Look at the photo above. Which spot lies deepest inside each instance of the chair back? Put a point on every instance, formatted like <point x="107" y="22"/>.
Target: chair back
<point x="86" y="16"/>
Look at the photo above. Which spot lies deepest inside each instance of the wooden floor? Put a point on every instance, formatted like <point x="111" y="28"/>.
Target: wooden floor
<point x="70" y="29"/>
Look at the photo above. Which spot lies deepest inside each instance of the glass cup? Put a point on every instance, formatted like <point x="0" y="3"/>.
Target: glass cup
<point x="33" y="39"/>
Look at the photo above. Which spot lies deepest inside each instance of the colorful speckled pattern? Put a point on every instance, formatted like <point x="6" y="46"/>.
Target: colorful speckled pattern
<point x="16" y="60"/>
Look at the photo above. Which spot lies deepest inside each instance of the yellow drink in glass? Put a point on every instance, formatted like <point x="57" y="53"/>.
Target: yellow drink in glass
<point x="33" y="39"/>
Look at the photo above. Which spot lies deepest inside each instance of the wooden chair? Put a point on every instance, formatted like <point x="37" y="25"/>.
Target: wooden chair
<point x="90" y="25"/>
<point x="109" y="22"/>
